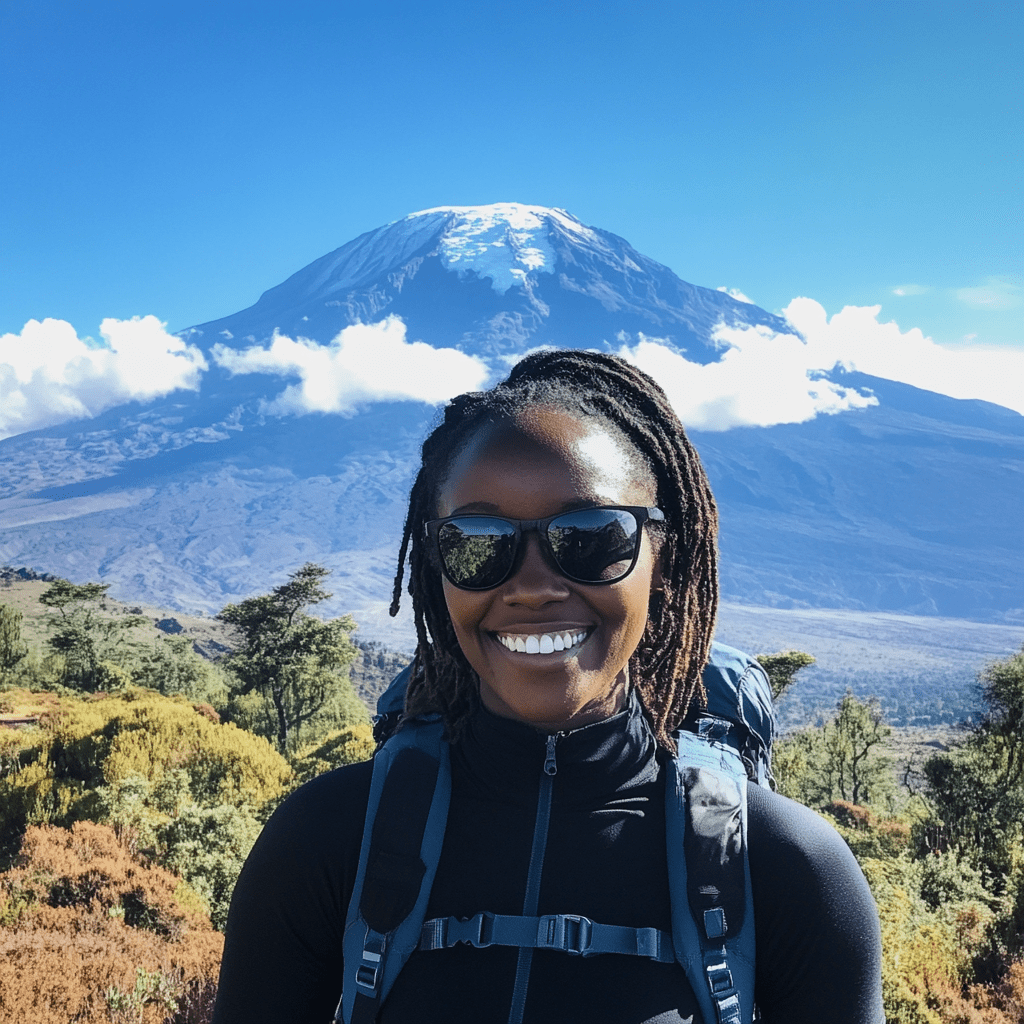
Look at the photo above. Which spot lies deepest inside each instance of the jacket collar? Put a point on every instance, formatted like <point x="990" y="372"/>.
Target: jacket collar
<point x="594" y="760"/>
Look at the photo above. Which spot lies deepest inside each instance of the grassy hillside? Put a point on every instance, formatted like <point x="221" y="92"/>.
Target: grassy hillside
<point x="370" y="673"/>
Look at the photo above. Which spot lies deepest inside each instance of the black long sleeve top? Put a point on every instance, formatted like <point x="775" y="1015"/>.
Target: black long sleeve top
<point x="816" y="925"/>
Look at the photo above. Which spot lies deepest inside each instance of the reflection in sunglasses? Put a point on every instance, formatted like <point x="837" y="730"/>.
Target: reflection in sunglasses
<point x="475" y="560"/>
<point x="593" y="545"/>
<point x="594" y="553"/>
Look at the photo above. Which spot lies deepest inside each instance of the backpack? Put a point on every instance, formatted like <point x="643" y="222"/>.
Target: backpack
<point x="720" y="748"/>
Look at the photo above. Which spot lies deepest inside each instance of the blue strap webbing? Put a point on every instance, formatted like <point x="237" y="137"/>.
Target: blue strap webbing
<point x="374" y="959"/>
<point x="568" y="933"/>
<point x="719" y="963"/>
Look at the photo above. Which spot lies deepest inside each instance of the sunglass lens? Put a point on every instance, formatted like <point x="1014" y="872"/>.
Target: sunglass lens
<point x="477" y="552"/>
<point x="594" y="545"/>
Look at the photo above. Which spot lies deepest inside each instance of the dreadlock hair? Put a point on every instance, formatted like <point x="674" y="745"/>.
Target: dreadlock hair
<point x="667" y="664"/>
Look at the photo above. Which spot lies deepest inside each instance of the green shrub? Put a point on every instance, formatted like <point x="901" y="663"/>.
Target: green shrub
<point x="865" y="833"/>
<point x="338" y="708"/>
<point x="946" y="879"/>
<point x="208" y="846"/>
<point x="87" y="750"/>
<point x="171" y="666"/>
<point x="346" y="746"/>
<point x="12" y="648"/>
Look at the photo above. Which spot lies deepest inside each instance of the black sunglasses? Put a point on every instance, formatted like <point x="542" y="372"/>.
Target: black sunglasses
<point x="589" y="545"/>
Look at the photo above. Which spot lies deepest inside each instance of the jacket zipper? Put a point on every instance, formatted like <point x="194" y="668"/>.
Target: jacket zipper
<point x="532" y="899"/>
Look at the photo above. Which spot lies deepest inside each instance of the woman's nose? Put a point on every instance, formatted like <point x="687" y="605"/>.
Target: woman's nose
<point x="536" y="581"/>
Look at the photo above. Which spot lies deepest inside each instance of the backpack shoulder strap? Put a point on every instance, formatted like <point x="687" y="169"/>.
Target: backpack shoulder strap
<point x="403" y="833"/>
<point x="709" y="877"/>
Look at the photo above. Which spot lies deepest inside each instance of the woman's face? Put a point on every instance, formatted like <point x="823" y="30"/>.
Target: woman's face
<point x="550" y="462"/>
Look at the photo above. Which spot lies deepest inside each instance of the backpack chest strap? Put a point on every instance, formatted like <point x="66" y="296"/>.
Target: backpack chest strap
<point x="569" y="933"/>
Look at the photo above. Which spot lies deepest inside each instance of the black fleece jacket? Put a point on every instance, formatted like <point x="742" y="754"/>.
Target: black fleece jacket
<point x="816" y="926"/>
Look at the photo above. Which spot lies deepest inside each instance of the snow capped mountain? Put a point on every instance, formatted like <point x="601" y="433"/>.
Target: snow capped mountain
<point x="519" y="276"/>
<point x="504" y="242"/>
<point x="896" y="500"/>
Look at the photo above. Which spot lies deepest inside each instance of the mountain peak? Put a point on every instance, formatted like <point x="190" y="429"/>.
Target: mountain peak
<point x="502" y="241"/>
<point x="522" y="276"/>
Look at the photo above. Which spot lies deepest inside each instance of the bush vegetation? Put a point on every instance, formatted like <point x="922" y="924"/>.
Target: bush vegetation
<point x="127" y="811"/>
<point x="176" y="754"/>
<point x="945" y="864"/>
<point x="92" y="934"/>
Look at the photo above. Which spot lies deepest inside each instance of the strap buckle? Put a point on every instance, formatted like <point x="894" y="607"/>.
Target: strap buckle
<point x="445" y="932"/>
<point x="567" y="932"/>
<point x="368" y="971"/>
<point x="478" y="930"/>
<point x="723" y="991"/>
<point x="719" y="978"/>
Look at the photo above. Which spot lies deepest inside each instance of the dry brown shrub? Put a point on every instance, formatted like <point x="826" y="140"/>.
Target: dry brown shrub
<point x="89" y="934"/>
<point x="896" y="834"/>
<point x="207" y="711"/>
<point x="1003" y="1002"/>
<point x="849" y="814"/>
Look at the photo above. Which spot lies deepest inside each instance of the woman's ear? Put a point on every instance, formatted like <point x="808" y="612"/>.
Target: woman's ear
<point x="657" y="582"/>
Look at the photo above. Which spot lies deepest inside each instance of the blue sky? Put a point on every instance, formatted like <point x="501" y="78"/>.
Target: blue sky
<point x="176" y="159"/>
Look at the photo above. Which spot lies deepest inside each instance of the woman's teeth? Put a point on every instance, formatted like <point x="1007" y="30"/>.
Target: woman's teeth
<point x="541" y="643"/>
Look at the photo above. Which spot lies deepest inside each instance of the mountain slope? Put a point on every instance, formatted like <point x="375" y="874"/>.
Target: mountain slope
<point x="909" y="505"/>
<point x="517" y="276"/>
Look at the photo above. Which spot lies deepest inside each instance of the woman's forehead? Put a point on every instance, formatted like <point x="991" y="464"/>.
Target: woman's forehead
<point x="548" y="449"/>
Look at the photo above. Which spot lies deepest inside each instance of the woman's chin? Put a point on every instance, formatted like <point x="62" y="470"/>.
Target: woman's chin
<point x="552" y="713"/>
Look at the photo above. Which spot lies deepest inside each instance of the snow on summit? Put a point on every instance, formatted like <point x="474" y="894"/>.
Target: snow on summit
<point x="504" y="242"/>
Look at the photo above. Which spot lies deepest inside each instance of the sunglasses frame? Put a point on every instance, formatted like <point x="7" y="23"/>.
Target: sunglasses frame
<point x="641" y="513"/>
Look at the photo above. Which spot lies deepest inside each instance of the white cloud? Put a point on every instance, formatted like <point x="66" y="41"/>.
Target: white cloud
<point x="734" y="293"/>
<point x="904" y="290"/>
<point x="49" y="375"/>
<point x="855" y="338"/>
<point x="364" y="363"/>
<point x="998" y="293"/>
<point x="764" y="378"/>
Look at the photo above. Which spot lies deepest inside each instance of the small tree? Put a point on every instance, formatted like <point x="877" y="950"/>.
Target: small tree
<point x="85" y="639"/>
<point x="290" y="658"/>
<point x="977" y="788"/>
<point x="851" y="768"/>
<point x="782" y="669"/>
<point x="12" y="647"/>
<point x="839" y="761"/>
<point x="68" y="598"/>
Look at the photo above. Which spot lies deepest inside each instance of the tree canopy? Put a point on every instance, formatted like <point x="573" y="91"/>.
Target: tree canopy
<point x="87" y="641"/>
<point x="292" y="659"/>
<point x="782" y="668"/>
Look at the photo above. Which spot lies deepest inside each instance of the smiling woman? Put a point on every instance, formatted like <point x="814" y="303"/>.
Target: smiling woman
<point x="547" y="463"/>
<point x="562" y="566"/>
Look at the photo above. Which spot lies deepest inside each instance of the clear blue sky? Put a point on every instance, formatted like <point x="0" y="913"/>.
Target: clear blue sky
<point x="178" y="158"/>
